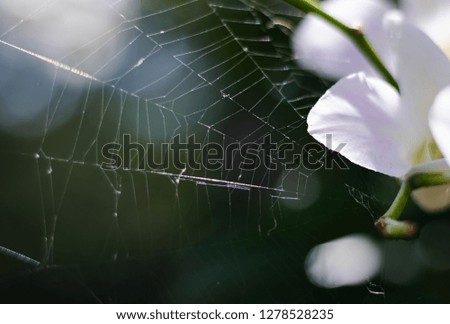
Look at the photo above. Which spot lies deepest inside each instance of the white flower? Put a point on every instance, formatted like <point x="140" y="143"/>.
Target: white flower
<point x="323" y="49"/>
<point x="347" y="261"/>
<point x="391" y="133"/>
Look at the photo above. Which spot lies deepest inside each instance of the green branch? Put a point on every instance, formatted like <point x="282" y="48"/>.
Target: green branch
<point x="399" y="203"/>
<point x="429" y="179"/>
<point x="354" y="34"/>
<point x="388" y="224"/>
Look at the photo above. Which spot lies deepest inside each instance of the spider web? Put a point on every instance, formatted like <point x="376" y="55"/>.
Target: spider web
<point x="222" y="71"/>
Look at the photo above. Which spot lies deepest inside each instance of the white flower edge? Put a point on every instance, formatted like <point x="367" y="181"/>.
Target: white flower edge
<point x="381" y="130"/>
<point x="431" y="16"/>
<point x="361" y="112"/>
<point x="439" y="120"/>
<point x="437" y="199"/>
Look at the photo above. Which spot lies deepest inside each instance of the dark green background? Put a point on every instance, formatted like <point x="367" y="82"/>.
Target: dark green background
<point x="187" y="242"/>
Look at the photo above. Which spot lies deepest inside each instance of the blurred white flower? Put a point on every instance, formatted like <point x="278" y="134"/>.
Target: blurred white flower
<point x="323" y="49"/>
<point x="48" y="48"/>
<point x="75" y="32"/>
<point x="347" y="261"/>
<point x="386" y="132"/>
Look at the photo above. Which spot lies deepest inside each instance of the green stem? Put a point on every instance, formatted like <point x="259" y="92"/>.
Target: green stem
<point x="354" y="34"/>
<point x="388" y="224"/>
<point x="429" y="179"/>
<point x="399" y="203"/>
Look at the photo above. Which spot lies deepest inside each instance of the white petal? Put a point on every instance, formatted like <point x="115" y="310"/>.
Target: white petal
<point x="364" y="114"/>
<point x="323" y="49"/>
<point x="431" y="16"/>
<point x="419" y="9"/>
<point x="437" y="199"/>
<point x="422" y="69"/>
<point x="439" y="165"/>
<point x="433" y="20"/>
<point x="439" y="120"/>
